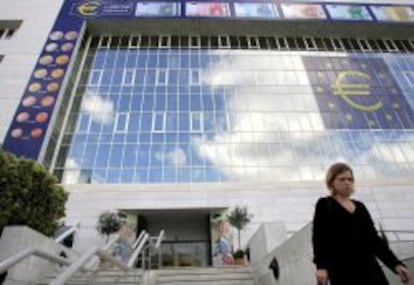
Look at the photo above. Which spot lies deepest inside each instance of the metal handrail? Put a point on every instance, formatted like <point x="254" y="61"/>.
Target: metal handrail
<point x="138" y="250"/>
<point x="160" y="238"/>
<point x="68" y="232"/>
<point x="106" y="247"/>
<point x="16" y="258"/>
<point x="158" y="246"/>
<point x="85" y="258"/>
<point x="138" y="240"/>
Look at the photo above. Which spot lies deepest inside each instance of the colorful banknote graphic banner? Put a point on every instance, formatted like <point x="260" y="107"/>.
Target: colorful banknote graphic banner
<point x="262" y="9"/>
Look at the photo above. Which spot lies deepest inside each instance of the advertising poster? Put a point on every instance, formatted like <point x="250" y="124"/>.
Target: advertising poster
<point x="348" y="12"/>
<point x="393" y="13"/>
<point x="303" y="11"/>
<point x="255" y="10"/>
<point x="207" y="9"/>
<point x="31" y="121"/>
<point x="362" y="93"/>
<point x="157" y="9"/>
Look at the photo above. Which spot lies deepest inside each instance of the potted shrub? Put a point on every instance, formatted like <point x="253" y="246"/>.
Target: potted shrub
<point x="239" y="218"/>
<point x="110" y="222"/>
<point x="239" y="257"/>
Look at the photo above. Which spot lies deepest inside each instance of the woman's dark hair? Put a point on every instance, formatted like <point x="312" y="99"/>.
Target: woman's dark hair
<point x="335" y="170"/>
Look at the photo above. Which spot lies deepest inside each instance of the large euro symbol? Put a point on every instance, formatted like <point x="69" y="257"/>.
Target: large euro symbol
<point x="347" y="90"/>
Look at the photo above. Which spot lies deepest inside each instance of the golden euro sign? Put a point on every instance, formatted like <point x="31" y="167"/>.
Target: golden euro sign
<point x="89" y="8"/>
<point x="347" y="90"/>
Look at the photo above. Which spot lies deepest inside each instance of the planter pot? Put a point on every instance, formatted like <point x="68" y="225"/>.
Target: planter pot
<point x="241" y="261"/>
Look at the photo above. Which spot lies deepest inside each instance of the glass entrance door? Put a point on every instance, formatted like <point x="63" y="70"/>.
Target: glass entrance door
<point x="186" y="253"/>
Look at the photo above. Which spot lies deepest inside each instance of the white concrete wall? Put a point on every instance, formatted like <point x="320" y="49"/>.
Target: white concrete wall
<point x="291" y="203"/>
<point x="32" y="269"/>
<point x="265" y="239"/>
<point x="295" y="261"/>
<point x="22" y="50"/>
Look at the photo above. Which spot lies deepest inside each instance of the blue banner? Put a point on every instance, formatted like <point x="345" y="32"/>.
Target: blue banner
<point x="31" y="121"/>
<point x="358" y="93"/>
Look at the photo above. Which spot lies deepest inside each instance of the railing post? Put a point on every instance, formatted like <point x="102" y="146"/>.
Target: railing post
<point x="149" y="254"/>
<point x="72" y="269"/>
<point x="143" y="259"/>
<point x="159" y="257"/>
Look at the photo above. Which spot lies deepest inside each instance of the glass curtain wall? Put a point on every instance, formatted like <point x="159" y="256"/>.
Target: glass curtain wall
<point x="151" y="110"/>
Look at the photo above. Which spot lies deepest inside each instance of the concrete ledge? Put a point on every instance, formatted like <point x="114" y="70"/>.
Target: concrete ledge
<point x="32" y="269"/>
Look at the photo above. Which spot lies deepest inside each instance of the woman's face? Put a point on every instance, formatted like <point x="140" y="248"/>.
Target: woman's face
<point x="343" y="184"/>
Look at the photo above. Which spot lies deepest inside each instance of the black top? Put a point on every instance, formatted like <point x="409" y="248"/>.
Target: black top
<point x="347" y="244"/>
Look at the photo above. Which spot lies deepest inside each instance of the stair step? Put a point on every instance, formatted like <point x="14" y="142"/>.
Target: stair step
<point x="206" y="270"/>
<point x="195" y="277"/>
<point x="234" y="275"/>
<point x="103" y="277"/>
<point x="235" y="282"/>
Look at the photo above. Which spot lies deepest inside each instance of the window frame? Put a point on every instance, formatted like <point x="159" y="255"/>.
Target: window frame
<point x="100" y="74"/>
<point x="117" y="119"/>
<point x="154" y="122"/>
<point x="201" y="121"/>
<point x="132" y="81"/>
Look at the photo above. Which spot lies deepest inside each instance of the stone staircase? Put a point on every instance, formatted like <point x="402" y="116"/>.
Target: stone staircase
<point x="232" y="275"/>
<point x="107" y="277"/>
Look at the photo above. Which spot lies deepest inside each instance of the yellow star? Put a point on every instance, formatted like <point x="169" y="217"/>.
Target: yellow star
<point x="348" y="117"/>
<point x="331" y="105"/>
<point x="396" y="106"/>
<point x="388" y="117"/>
<point x="371" y="123"/>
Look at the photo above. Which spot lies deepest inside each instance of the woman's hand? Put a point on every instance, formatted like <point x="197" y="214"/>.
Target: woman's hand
<point x="322" y="276"/>
<point x="403" y="272"/>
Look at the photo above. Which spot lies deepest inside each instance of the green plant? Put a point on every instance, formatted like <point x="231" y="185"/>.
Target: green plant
<point x="29" y="195"/>
<point x="239" y="218"/>
<point x="238" y="254"/>
<point x="110" y="222"/>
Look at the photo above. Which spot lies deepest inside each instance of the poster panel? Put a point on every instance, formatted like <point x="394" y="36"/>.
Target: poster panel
<point x="348" y="12"/>
<point x="158" y="9"/>
<point x="255" y="10"/>
<point x="393" y="13"/>
<point x="31" y="121"/>
<point x="361" y="93"/>
<point x="207" y="9"/>
<point x="303" y="11"/>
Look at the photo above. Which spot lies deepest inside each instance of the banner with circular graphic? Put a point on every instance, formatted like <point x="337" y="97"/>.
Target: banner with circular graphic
<point x="31" y="120"/>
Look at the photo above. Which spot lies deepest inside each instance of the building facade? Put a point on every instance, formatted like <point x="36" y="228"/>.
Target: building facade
<point x="176" y="111"/>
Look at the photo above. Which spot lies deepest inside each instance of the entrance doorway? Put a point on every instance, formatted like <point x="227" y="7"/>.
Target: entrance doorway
<point x="187" y="239"/>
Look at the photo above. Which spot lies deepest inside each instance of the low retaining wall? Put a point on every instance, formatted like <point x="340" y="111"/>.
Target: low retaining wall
<point x="295" y="255"/>
<point x="32" y="269"/>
